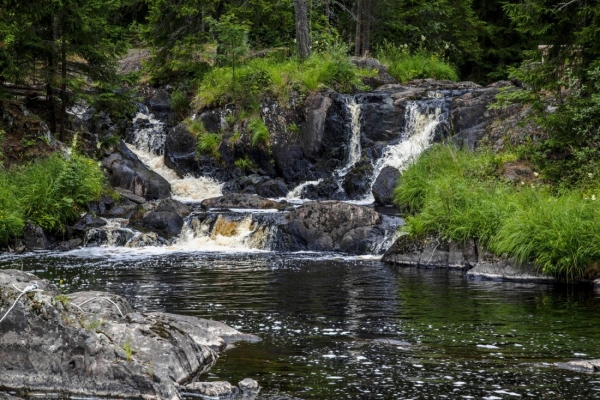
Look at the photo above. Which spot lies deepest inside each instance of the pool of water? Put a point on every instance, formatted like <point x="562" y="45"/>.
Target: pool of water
<point x="335" y="327"/>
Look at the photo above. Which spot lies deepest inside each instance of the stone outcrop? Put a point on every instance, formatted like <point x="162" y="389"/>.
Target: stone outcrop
<point x="383" y="188"/>
<point x="240" y="200"/>
<point x="125" y="170"/>
<point x="335" y="226"/>
<point x="93" y="344"/>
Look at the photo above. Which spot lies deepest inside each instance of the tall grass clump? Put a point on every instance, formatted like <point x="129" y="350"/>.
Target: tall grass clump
<point x="207" y="143"/>
<point x="50" y="193"/>
<point x="560" y="233"/>
<point x="459" y="195"/>
<point x="421" y="64"/>
<point x="259" y="131"/>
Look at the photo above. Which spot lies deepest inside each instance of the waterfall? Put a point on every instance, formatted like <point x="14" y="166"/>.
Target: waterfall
<point x="295" y="195"/>
<point x="354" y="149"/>
<point x="147" y="141"/>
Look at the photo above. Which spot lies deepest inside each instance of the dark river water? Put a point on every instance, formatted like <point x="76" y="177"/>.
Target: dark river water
<point x="348" y="328"/>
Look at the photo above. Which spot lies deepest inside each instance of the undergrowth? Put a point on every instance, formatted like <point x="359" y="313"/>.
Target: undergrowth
<point x="458" y="195"/>
<point x="49" y="193"/>
<point x="279" y="77"/>
<point x="404" y="65"/>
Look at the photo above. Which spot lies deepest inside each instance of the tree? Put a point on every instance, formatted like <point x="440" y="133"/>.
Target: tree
<point x="232" y="38"/>
<point x="302" y="31"/>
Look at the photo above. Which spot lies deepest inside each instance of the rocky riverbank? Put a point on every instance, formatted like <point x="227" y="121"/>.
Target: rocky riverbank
<point x="94" y="344"/>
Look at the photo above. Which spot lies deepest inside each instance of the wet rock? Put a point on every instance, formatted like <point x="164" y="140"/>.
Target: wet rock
<point x="333" y="226"/>
<point x="219" y="389"/>
<point x="358" y="180"/>
<point x="180" y="151"/>
<point x="383" y="188"/>
<point x="130" y="196"/>
<point x="125" y="170"/>
<point x="327" y="189"/>
<point x="107" y="236"/>
<point x="581" y="365"/>
<point x="274" y="188"/>
<point x="431" y="252"/>
<point x="89" y="221"/>
<point x="248" y="387"/>
<point x="507" y="270"/>
<point x="82" y="345"/>
<point x="171" y="205"/>
<point x="312" y="130"/>
<point x="108" y="207"/>
<point x="146" y="239"/>
<point x="240" y="200"/>
<point x="167" y="224"/>
<point x="381" y="119"/>
<point x="70" y="244"/>
<point x="35" y="238"/>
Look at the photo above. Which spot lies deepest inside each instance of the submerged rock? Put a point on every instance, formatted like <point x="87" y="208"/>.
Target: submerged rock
<point x="91" y="343"/>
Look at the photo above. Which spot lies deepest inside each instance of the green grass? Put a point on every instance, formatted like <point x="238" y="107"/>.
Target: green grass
<point x="278" y="77"/>
<point x="208" y="143"/>
<point x="459" y="195"/>
<point x="404" y="66"/>
<point x="50" y="193"/>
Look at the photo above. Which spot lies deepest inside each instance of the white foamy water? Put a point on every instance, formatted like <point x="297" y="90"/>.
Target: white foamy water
<point x="295" y="195"/>
<point x="354" y="148"/>
<point x="149" y="133"/>
<point x="187" y="189"/>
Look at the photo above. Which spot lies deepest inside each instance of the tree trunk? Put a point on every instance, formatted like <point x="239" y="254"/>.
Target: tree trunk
<point x="366" y="27"/>
<point x="357" y="37"/>
<point x="302" y="33"/>
<point x="63" y="87"/>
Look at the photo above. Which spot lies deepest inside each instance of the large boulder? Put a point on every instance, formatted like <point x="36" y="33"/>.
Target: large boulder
<point x="358" y="180"/>
<point x="180" y="151"/>
<point x="125" y="170"/>
<point x="333" y="226"/>
<point x="92" y="344"/>
<point x="274" y="188"/>
<point x="35" y="238"/>
<point x="383" y="188"/>
<point x="167" y="224"/>
<point x="431" y="252"/>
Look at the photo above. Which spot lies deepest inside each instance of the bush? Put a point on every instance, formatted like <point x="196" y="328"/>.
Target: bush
<point x="50" y="193"/>
<point x="180" y="103"/>
<point x="208" y="143"/>
<point x="405" y="66"/>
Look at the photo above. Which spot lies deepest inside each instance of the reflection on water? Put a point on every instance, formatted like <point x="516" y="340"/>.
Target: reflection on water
<point x="338" y="327"/>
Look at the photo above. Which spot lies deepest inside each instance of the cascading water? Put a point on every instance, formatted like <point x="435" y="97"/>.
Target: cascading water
<point x="147" y="141"/>
<point x="354" y="148"/>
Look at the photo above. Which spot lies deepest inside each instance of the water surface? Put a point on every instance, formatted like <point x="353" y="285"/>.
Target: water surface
<point x="335" y="327"/>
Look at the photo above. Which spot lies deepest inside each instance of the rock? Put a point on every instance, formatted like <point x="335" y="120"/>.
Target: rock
<point x="130" y="196"/>
<point x="383" y="77"/>
<point x="70" y="244"/>
<point x="81" y="345"/>
<point x="507" y="270"/>
<point x="35" y="238"/>
<point x="431" y="252"/>
<point x="580" y="365"/>
<point x="170" y="205"/>
<point x="312" y="131"/>
<point x="146" y="239"/>
<point x="218" y="389"/>
<point x="333" y="226"/>
<point x="107" y="236"/>
<point x="180" y="151"/>
<point x="274" y="188"/>
<point x="519" y="172"/>
<point x="248" y="386"/>
<point x="383" y="188"/>
<point x="108" y="207"/>
<point x="125" y="170"/>
<point x="167" y="224"/>
<point x="381" y="118"/>
<point x="358" y="180"/>
<point x="240" y="200"/>
<point x="327" y="189"/>
<point x="89" y="221"/>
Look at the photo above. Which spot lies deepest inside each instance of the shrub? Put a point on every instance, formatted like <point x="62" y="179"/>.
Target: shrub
<point x="208" y="143"/>
<point x="180" y="103"/>
<point x="259" y="131"/>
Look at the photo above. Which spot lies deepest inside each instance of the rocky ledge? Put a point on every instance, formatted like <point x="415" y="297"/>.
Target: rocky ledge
<point x="94" y="344"/>
<point x="478" y="263"/>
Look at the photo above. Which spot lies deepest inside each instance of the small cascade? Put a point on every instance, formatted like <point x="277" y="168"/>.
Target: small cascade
<point x="296" y="194"/>
<point x="354" y="148"/>
<point x="148" y="134"/>
<point x="229" y="232"/>
<point x="147" y="141"/>
<point x="116" y="234"/>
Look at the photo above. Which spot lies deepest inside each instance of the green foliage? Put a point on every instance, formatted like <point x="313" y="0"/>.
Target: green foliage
<point x="259" y="131"/>
<point x="180" y="103"/>
<point x="458" y="195"/>
<point x="49" y="193"/>
<point x="421" y="64"/>
<point x="245" y="164"/>
<point x="128" y="350"/>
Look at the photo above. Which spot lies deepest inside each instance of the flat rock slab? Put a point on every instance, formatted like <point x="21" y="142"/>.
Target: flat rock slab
<point x="241" y="200"/>
<point x="505" y="270"/>
<point x="581" y="365"/>
<point x="92" y="344"/>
